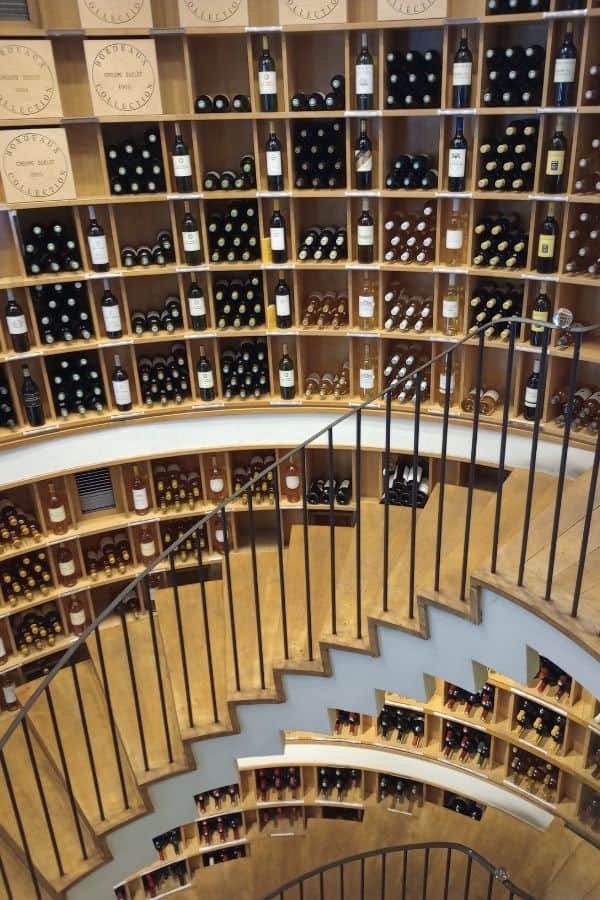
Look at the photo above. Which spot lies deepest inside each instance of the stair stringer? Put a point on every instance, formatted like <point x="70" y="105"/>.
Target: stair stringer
<point x="453" y="650"/>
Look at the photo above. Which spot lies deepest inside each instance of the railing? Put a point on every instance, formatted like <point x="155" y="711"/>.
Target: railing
<point x="406" y="871"/>
<point x="16" y="744"/>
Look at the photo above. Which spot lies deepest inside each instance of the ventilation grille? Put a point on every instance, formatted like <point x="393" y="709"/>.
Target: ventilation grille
<point x="14" y="9"/>
<point x="95" y="489"/>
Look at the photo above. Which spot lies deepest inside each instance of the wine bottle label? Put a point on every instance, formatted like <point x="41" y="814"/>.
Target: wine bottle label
<point x="365" y="235"/>
<point x="461" y="73"/>
<point x="564" y="70"/>
<point x="555" y="162"/>
<point x="292" y="482"/>
<point x="286" y="378"/>
<point x="584" y="393"/>
<point x="219" y="536"/>
<point x="182" y="166"/>
<point x="217" y="485"/>
<point x="147" y="548"/>
<point x="364" y="78"/>
<point x="32" y="398"/>
<point x="191" y="241"/>
<point x="206" y="380"/>
<point x="267" y="82"/>
<point x="57" y="514"/>
<point x="274" y="162"/>
<point x="277" y="236"/>
<point x="9" y="694"/>
<point x="454" y="238"/>
<point x="443" y="382"/>
<point x="16" y="324"/>
<point x="457" y="161"/>
<point x="546" y="246"/>
<point x="531" y="395"/>
<point x="282" y="304"/>
<point x="98" y="249"/>
<point x="122" y="392"/>
<point x="140" y="498"/>
<point x="540" y="316"/>
<point x="77" y="617"/>
<point x="449" y="308"/>
<point x="112" y="318"/>
<point x="492" y="394"/>
<point x="197" y="305"/>
<point x="366" y="306"/>
<point x="363" y="160"/>
<point x="67" y="568"/>
<point x="366" y="378"/>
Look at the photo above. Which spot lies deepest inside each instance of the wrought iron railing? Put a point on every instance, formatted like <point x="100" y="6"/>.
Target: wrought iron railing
<point x="19" y="729"/>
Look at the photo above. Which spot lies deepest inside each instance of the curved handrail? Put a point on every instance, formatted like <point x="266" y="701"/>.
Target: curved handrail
<point x="500" y="875"/>
<point x="511" y="321"/>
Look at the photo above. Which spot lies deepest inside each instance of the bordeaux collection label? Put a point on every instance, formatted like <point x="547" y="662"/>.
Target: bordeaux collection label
<point x="213" y="12"/>
<point x="123" y="76"/>
<point x="36" y="165"/>
<point x="411" y="9"/>
<point x="28" y="84"/>
<point x="113" y="12"/>
<point x="312" y="10"/>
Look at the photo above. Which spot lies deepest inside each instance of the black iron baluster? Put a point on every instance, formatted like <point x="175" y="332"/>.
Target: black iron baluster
<point x="383" y="874"/>
<point x="261" y="660"/>
<point x="404" y="871"/>
<point x="15" y="807"/>
<point x="413" y="504"/>
<point x="88" y="742"/>
<point x="9" y="893"/>
<point x="425" y="874"/>
<point x="490" y="889"/>
<point x="286" y="652"/>
<point x="586" y="528"/>
<point x="447" y="875"/>
<point x="306" y="554"/>
<point x="443" y="460"/>
<point x="136" y="699"/>
<point x="472" y="464"/>
<point x="503" y="439"/>
<point x="207" y="646"/>
<point x="331" y="531"/>
<point x="563" y="465"/>
<point x="533" y="456"/>
<point x="468" y="877"/>
<point x="111" y="719"/>
<point x="321" y="887"/>
<point x="42" y="795"/>
<point x="65" y="772"/>
<point x="386" y="497"/>
<point x="182" y="650"/>
<point x="357" y="525"/>
<point x="302" y="890"/>
<point x="236" y="662"/>
<point x="341" y="881"/>
<point x="161" y="691"/>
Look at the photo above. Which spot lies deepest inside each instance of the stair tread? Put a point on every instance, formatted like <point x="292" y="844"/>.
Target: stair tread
<point x="70" y="728"/>
<point x="17" y="874"/>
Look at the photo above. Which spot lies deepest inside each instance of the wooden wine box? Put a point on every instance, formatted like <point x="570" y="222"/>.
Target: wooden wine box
<point x="312" y="12"/>
<point x="115" y="13"/>
<point x="123" y="77"/>
<point x="204" y="13"/>
<point x="28" y="82"/>
<point x="411" y="9"/>
<point x="36" y="165"/>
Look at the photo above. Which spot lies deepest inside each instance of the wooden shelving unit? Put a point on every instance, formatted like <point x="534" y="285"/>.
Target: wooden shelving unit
<point x="183" y="73"/>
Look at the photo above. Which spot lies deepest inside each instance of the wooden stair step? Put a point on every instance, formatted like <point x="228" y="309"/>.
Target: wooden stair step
<point x="31" y="809"/>
<point x="18" y="876"/>
<point x="116" y="808"/>
<point x="194" y="635"/>
<point x="157" y="764"/>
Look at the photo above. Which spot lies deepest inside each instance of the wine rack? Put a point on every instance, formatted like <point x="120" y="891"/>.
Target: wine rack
<point x="474" y="731"/>
<point x="306" y="60"/>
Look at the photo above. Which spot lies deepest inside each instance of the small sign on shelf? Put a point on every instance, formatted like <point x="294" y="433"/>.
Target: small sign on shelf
<point x="36" y="165"/>
<point x="123" y="77"/>
<point x="28" y="82"/>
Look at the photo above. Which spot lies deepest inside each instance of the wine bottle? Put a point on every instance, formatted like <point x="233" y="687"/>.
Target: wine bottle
<point x="32" y="400"/>
<point x="565" y="65"/>
<point x="363" y="159"/>
<point x="555" y="161"/>
<point x="16" y="324"/>
<point x="182" y="164"/>
<point x="77" y="616"/>
<point x="121" y="387"/>
<point x="274" y="161"/>
<point x="455" y="235"/>
<point x="190" y="237"/>
<point x="206" y="378"/>
<point x="291" y="481"/>
<point x="267" y="79"/>
<point x="462" y="74"/>
<point x="451" y="306"/>
<point x="277" y="236"/>
<point x="365" y="235"/>
<point x="139" y="492"/>
<point x="366" y="302"/>
<point x="366" y="375"/>
<point x="547" y="243"/>
<point x="97" y="243"/>
<point x="196" y="306"/>
<point x="283" y="309"/>
<point x="287" y="380"/>
<point x="57" y="514"/>
<point x="363" y="74"/>
<point x="457" y="158"/>
<point x="111" y="313"/>
<point x="147" y="545"/>
<point x="531" y="392"/>
<point x="67" y="574"/>
<point x="216" y="482"/>
<point x="541" y="313"/>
